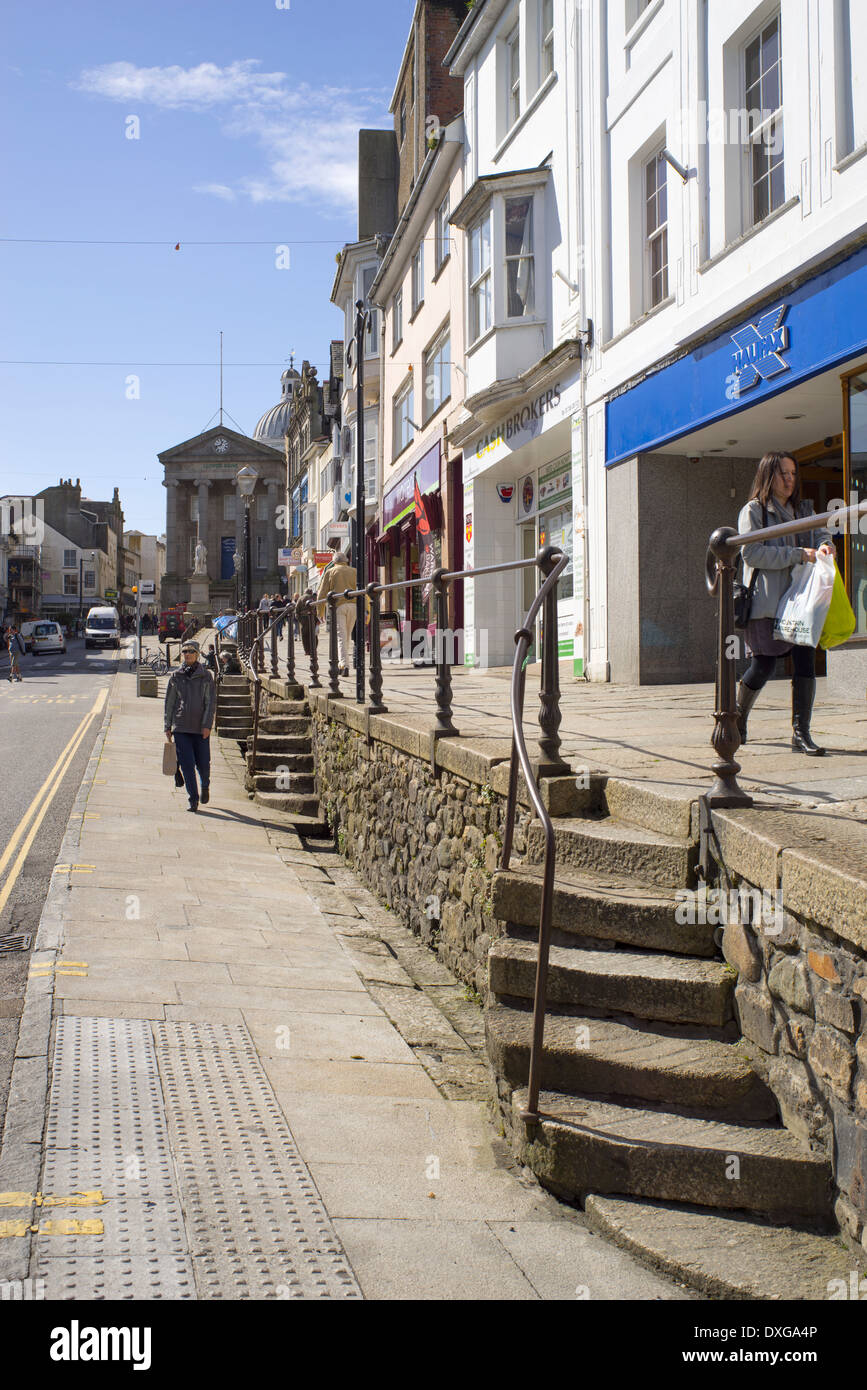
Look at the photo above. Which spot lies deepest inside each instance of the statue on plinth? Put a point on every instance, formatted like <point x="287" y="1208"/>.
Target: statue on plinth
<point x="201" y="561"/>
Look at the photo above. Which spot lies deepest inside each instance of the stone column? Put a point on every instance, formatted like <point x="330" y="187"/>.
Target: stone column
<point x="172" y="499"/>
<point x="271" y="566"/>
<point x="202" y="530"/>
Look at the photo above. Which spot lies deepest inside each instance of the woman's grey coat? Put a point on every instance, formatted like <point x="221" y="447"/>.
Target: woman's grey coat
<point x="774" y="559"/>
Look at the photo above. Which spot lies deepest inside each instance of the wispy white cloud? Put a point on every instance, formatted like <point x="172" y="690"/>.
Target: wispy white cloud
<point x="219" y="190"/>
<point x="308" y="135"/>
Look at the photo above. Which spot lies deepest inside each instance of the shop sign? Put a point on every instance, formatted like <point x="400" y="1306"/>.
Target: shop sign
<point x="760" y="347"/>
<point x="398" y="500"/>
<point x="528" y="494"/>
<point x="505" y="491"/>
<point x="555" y="481"/>
<point x="527" y="420"/>
<point x="469" y="527"/>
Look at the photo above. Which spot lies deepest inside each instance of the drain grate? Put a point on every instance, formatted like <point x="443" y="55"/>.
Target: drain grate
<point x="19" y="942"/>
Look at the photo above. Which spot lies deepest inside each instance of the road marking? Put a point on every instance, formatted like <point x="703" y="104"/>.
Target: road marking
<point x="75" y="1199"/>
<point x="45" y="795"/>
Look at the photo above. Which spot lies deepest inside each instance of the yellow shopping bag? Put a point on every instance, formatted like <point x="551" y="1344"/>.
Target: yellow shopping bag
<point x="840" y="622"/>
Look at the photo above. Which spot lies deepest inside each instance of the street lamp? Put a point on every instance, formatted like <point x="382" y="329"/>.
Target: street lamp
<point x="246" y="479"/>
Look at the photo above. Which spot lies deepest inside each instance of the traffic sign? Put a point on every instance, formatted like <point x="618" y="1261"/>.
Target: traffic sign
<point x="147" y="586"/>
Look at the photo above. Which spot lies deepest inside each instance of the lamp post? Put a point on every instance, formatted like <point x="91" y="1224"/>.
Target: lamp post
<point x="246" y="478"/>
<point x="362" y="322"/>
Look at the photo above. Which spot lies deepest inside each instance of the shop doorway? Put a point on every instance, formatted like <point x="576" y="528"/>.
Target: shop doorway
<point x="529" y="582"/>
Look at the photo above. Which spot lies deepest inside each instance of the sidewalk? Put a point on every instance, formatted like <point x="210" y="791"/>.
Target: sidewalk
<point x="655" y="733"/>
<point x="210" y="1098"/>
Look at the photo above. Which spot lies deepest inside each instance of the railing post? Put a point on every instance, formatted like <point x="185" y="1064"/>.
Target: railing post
<point x="444" y="725"/>
<point x="333" y="678"/>
<point x="260" y="642"/>
<point x="376" y="705"/>
<point x="512" y="797"/>
<point x="310" y="617"/>
<point x="291" y="611"/>
<point x="726" y="738"/>
<point x="274" y="630"/>
<point x="550" y="716"/>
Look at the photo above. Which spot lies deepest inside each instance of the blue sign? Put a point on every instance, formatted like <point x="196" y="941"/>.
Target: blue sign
<point x="760" y="350"/>
<point x="821" y="324"/>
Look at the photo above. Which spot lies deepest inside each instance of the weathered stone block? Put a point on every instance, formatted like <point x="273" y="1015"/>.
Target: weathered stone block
<point x="740" y="950"/>
<point x="757" y="1019"/>
<point x="788" y="981"/>
<point x="799" y="1105"/>
<point x="831" y="1058"/>
<point x="850" y="1158"/>
<point x="836" y="1009"/>
<point x="823" y="965"/>
<point x="796" y="1035"/>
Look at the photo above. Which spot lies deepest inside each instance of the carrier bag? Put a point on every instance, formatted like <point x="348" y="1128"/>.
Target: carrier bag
<point x="170" y="759"/>
<point x="804" y="606"/>
<point x="840" y="622"/>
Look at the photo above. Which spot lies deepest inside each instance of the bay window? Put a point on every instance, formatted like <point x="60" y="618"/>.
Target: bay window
<point x="403" y="409"/>
<point x="437" y="373"/>
<point x="520" y="267"/>
<point x="480" y="287"/>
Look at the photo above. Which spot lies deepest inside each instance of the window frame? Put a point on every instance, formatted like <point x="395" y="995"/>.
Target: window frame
<point x="519" y="198"/>
<point x="485" y="273"/>
<point x="403" y="395"/>
<point x="396" y="319"/>
<point x="513" y="79"/>
<point x="546" y="42"/>
<point x="417" y="279"/>
<point x="443" y="337"/>
<point x="442" y="236"/>
<point x="70" y="585"/>
<point x="402" y="120"/>
<point x="67" y="563"/>
<point x="757" y="135"/>
<point x="659" y="234"/>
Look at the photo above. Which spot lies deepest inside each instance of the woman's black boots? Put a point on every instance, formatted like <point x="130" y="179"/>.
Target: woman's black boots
<point x="746" y="698"/>
<point x="803" y="693"/>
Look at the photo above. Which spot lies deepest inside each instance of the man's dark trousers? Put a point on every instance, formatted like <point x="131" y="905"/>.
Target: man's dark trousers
<point x="193" y="751"/>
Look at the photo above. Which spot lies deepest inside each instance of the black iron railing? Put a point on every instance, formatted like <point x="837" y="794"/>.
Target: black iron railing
<point x="720" y="565"/>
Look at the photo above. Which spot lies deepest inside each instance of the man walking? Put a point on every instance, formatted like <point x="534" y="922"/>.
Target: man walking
<point x="189" y="716"/>
<point x="337" y="577"/>
<point x="16" y="651"/>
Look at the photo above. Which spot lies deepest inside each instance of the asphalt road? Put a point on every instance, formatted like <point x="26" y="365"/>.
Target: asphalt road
<point x="38" y="718"/>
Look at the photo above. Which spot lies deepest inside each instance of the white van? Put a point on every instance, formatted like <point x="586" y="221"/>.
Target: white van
<point x="47" y="637"/>
<point x="102" y="628"/>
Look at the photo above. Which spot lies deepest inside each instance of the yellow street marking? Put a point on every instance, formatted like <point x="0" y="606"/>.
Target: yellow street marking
<point x="61" y="869"/>
<point x="14" y="1228"/>
<point x="15" y="1199"/>
<point x="75" y="1199"/>
<point x="71" y="1226"/>
<point x="79" y="973"/>
<point x="41" y="973"/>
<point x="45" y="795"/>
<point x="78" y="964"/>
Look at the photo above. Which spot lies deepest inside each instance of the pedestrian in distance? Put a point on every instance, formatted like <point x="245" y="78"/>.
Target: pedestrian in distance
<point x="337" y="577"/>
<point x="211" y="659"/>
<point x="189" y="718"/>
<point x="768" y="565"/>
<point x="16" y="649"/>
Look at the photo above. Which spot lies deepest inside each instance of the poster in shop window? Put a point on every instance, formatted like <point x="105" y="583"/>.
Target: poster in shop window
<point x="426" y="557"/>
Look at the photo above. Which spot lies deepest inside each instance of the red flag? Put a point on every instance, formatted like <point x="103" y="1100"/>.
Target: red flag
<point x="178" y="246"/>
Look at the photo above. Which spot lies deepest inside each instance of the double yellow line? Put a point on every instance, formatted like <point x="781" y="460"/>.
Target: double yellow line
<point x="36" y="811"/>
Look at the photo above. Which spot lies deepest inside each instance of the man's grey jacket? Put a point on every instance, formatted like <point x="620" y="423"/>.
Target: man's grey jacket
<point x="190" y="700"/>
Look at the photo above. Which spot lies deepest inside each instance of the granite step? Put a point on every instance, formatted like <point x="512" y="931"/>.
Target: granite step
<point x="294" y="782"/>
<point x="607" y="907"/>
<point x="673" y="989"/>
<point x="281" y="744"/>
<point x="292" y="762"/>
<point x="295" y="803"/>
<point x="628" y="1057"/>
<point x="284" y="724"/>
<point x="584" y="1145"/>
<point x="725" y="1256"/>
<point x="288" y="707"/>
<point x="612" y="846"/>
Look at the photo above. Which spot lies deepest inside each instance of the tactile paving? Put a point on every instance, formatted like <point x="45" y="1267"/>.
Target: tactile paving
<point x="256" y="1224"/>
<point x="107" y="1132"/>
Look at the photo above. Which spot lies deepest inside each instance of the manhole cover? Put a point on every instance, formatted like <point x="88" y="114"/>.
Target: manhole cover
<point x="19" y="942"/>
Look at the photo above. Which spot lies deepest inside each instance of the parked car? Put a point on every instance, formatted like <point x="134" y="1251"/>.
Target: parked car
<point x="26" y="630"/>
<point x="47" y="637"/>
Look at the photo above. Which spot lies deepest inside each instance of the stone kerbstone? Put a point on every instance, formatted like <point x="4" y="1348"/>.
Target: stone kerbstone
<point x="832" y="1058"/>
<point x="788" y="981"/>
<point x="835" y="1009"/>
<point x="740" y="950"/>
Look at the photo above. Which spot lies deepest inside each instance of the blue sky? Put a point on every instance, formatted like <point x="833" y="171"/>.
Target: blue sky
<point x="248" y="132"/>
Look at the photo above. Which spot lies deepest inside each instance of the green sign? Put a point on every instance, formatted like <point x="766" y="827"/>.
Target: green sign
<point x="111" y="593"/>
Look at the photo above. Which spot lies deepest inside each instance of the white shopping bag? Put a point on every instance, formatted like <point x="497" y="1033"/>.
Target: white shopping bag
<point x="804" y="606"/>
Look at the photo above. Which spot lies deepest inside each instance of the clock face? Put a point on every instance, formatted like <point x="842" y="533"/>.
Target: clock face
<point x="221" y="445"/>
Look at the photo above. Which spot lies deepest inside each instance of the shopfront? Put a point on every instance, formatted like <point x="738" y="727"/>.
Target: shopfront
<point x="523" y="489"/>
<point x="412" y="527"/>
<point x="682" y="447"/>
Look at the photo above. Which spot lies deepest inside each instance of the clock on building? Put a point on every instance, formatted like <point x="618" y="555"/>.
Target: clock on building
<point x="221" y="445"/>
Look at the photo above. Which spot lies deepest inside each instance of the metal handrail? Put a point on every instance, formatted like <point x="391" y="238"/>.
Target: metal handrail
<point x="523" y="638"/>
<point x="720" y="562"/>
<point x="253" y="660"/>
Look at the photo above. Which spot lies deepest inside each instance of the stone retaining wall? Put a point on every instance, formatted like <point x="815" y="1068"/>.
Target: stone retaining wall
<point x="801" y="998"/>
<point x="421" y="822"/>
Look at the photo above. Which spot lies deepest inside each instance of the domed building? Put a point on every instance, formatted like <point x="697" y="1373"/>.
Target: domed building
<point x="273" y="425"/>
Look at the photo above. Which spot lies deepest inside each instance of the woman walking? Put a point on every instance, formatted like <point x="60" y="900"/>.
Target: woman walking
<point x="776" y="498"/>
